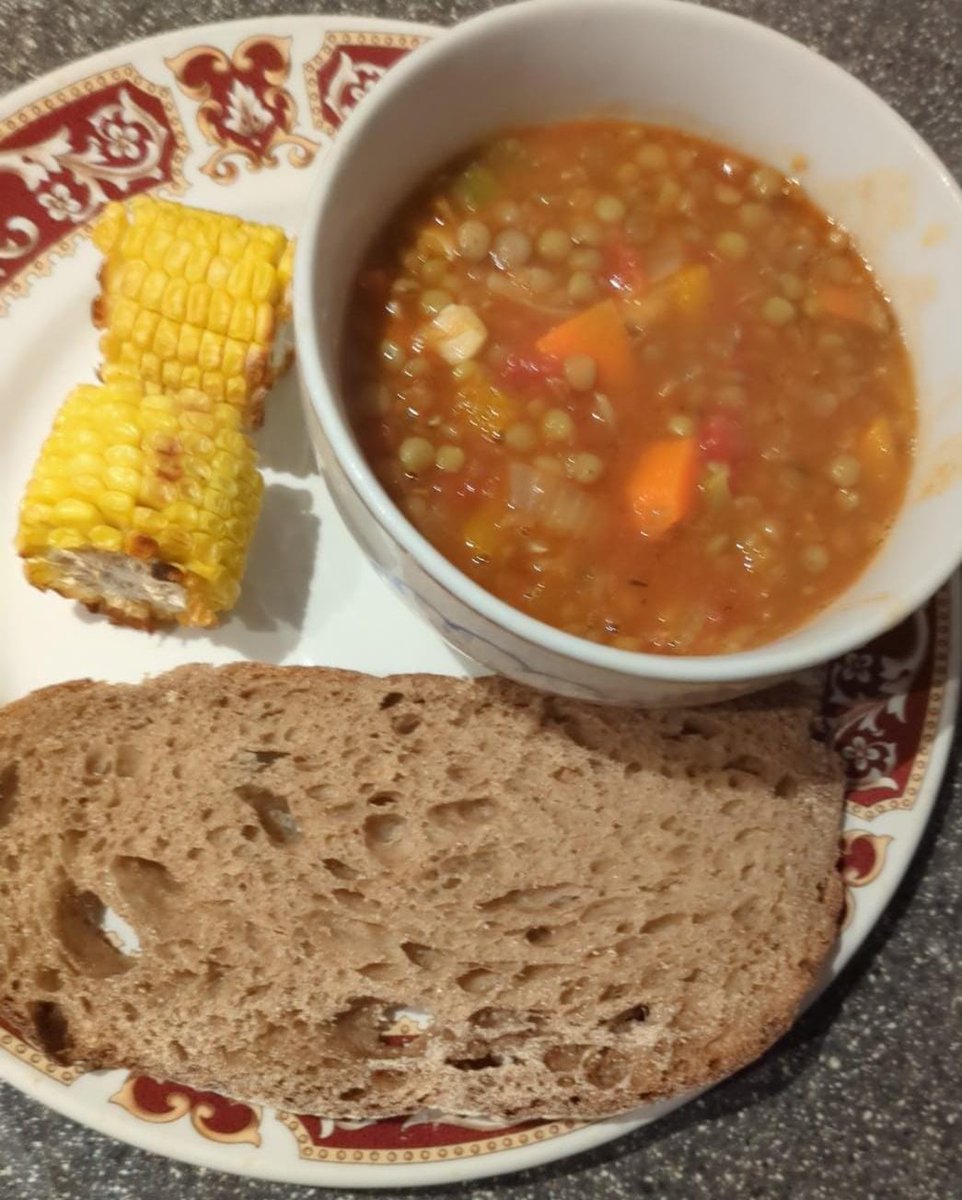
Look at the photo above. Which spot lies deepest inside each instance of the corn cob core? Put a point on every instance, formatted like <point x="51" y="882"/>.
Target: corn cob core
<point x="193" y="300"/>
<point x="142" y="506"/>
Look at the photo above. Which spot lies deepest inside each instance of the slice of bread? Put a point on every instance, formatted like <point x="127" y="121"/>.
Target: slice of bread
<point x="360" y="896"/>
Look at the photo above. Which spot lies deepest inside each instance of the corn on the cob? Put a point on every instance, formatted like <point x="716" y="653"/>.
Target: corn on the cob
<point x="193" y="300"/>
<point x="142" y="506"/>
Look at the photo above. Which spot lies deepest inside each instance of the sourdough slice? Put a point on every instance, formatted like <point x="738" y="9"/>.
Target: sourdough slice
<point x="361" y="896"/>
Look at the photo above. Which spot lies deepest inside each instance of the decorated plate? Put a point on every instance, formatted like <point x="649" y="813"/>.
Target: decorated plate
<point x="237" y="117"/>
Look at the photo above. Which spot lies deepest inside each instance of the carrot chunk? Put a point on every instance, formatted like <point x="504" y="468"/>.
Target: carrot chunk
<point x="848" y="304"/>
<point x="662" y="487"/>
<point x="600" y="333"/>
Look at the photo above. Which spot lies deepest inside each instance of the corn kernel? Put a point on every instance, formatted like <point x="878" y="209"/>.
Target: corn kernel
<point x="124" y="456"/>
<point x="66" y="539"/>
<point x="116" y="506"/>
<point x="155" y="248"/>
<point x="173" y="304"/>
<point x="77" y="514"/>
<point x="86" y="487"/>
<point x="122" y="479"/>
<point x="242" y="321"/>
<point x="104" y="537"/>
<point x="130" y="278"/>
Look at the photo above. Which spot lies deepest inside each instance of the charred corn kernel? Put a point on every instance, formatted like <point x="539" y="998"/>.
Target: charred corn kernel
<point x="145" y="520"/>
<point x="183" y="288"/>
<point x="127" y="498"/>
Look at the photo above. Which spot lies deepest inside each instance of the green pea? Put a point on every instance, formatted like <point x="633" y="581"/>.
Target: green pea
<point x="778" y="311"/>
<point x="520" y="437"/>
<point x="449" y="459"/>
<point x="765" y="183"/>
<point x="815" y="559"/>
<point x="726" y="194"/>
<point x="610" y="209"/>
<point x="512" y="248"/>
<point x="845" y="470"/>
<point x="586" y="259"/>
<point x="557" y="425"/>
<point x="540" y="280"/>
<point x="652" y="157"/>
<point x="586" y="468"/>
<point x="754" y="216"/>
<point x="416" y="454"/>
<point x="586" y="233"/>
<point x="474" y="240"/>
<point x="433" y="300"/>
<point x="580" y="371"/>
<point x="581" y="287"/>
<point x="554" y="245"/>
<point x="434" y="270"/>
<point x="732" y="245"/>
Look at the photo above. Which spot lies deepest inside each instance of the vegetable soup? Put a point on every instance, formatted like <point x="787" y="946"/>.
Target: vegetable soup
<point x="635" y="384"/>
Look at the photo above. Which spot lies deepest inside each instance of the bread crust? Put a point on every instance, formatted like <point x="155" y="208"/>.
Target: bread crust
<point x="364" y="897"/>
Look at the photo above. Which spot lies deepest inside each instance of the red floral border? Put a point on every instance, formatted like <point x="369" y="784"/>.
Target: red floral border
<point x="108" y="136"/>
<point x="883" y="704"/>
<point x="348" y="64"/>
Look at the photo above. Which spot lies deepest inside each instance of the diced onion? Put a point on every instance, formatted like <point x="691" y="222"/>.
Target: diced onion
<point x="551" y="501"/>
<point x="458" y="333"/>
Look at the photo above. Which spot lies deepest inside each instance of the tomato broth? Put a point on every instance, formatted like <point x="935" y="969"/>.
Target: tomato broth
<point x="634" y="383"/>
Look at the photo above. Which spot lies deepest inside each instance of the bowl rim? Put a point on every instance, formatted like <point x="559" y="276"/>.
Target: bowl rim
<point x="767" y="660"/>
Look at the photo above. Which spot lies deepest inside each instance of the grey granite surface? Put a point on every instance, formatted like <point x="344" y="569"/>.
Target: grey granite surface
<point x="863" y="1100"/>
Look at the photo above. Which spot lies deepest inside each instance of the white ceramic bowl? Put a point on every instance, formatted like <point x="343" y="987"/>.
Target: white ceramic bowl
<point x="715" y="75"/>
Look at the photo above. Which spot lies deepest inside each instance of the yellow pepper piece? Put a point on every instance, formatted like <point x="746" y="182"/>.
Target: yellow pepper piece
<point x="878" y="447"/>
<point x="690" y="288"/>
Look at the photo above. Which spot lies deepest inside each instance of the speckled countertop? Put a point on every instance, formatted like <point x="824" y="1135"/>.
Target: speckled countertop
<point x="864" y="1098"/>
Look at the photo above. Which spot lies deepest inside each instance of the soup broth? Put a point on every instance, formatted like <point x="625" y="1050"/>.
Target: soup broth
<point x="634" y="383"/>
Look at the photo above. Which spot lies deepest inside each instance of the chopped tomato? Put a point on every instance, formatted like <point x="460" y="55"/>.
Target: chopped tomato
<point x="624" y="269"/>
<point x="721" y="439"/>
<point x="528" y="366"/>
